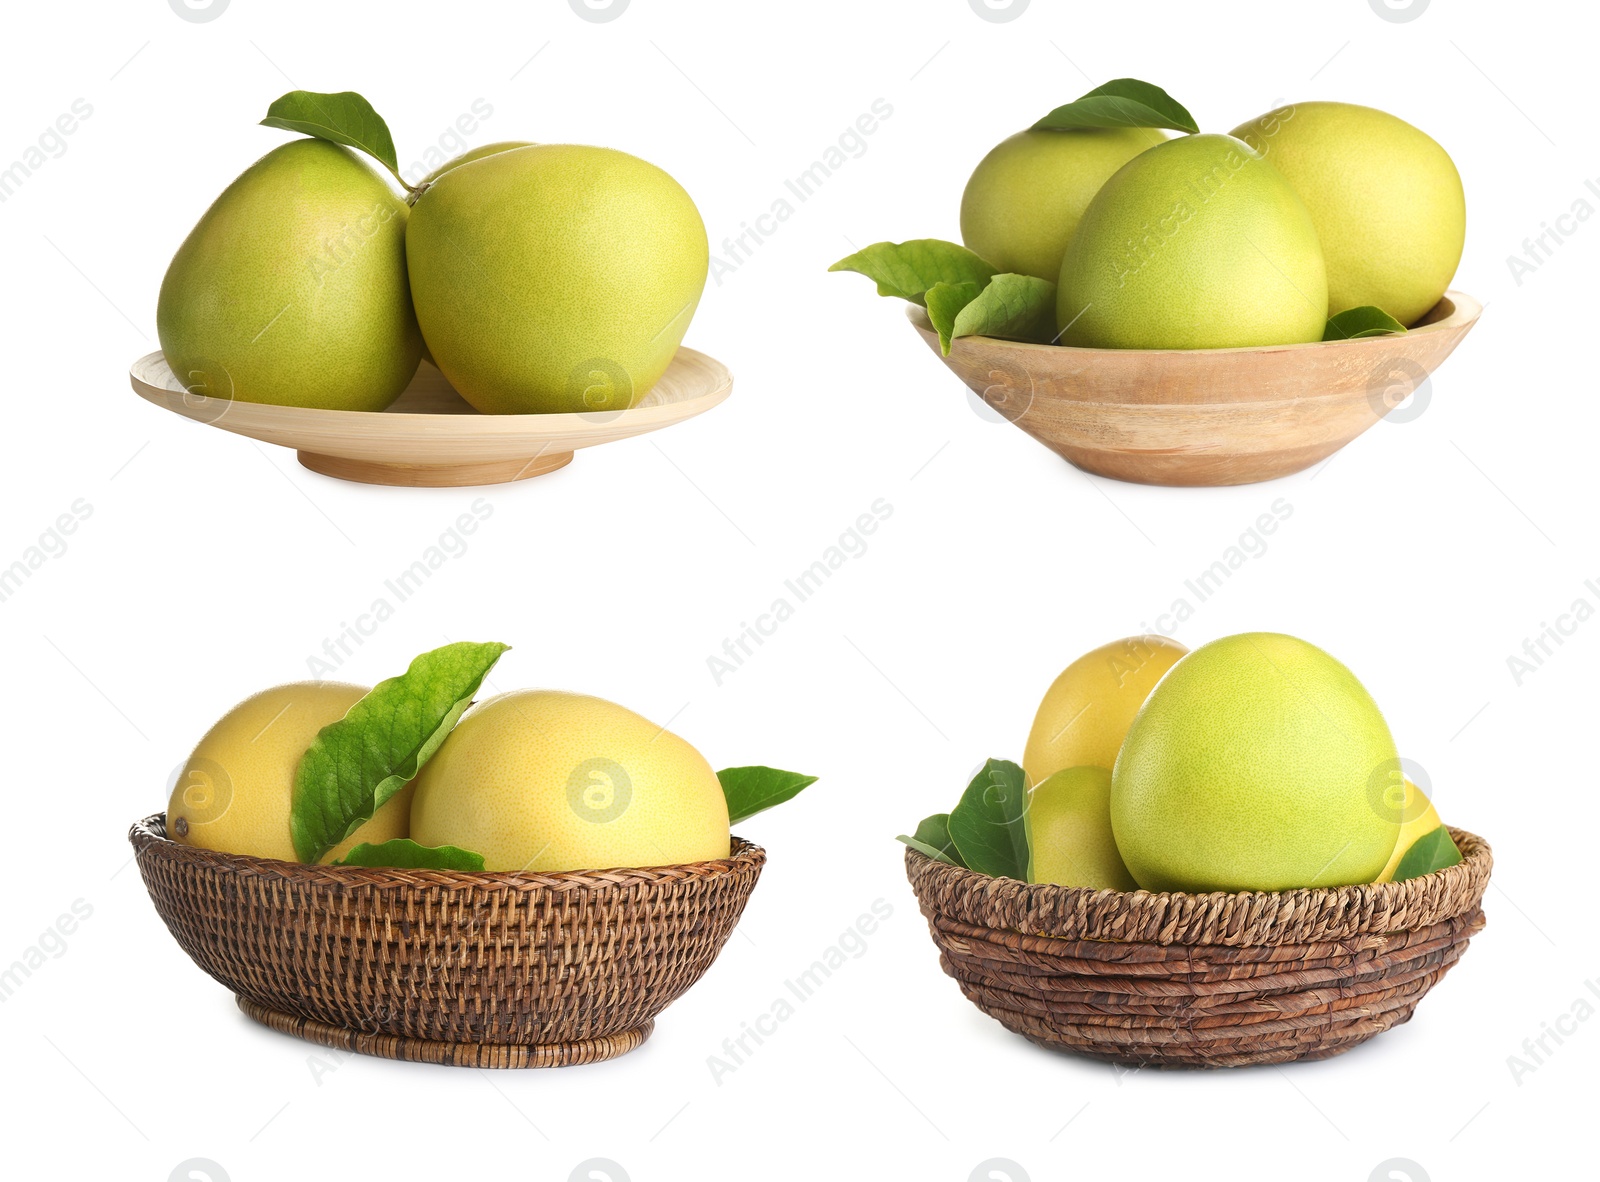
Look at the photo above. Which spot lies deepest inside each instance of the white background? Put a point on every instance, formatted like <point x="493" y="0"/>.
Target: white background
<point x="1422" y="556"/>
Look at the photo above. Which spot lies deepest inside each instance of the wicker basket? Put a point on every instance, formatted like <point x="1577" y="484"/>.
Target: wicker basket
<point x="1213" y="980"/>
<point x="478" y="970"/>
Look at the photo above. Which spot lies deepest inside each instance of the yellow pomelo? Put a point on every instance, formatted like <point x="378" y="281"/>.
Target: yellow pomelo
<point x="1069" y="832"/>
<point x="1258" y="763"/>
<point x="234" y="793"/>
<point x="1025" y="197"/>
<point x="1197" y="243"/>
<point x="1418" y="818"/>
<point x="1087" y="709"/>
<point x="292" y="288"/>
<point x="546" y="781"/>
<point x="555" y="278"/>
<point x="1386" y="199"/>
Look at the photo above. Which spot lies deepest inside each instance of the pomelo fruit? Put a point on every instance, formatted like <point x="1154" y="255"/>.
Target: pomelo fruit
<point x="1386" y="199"/>
<point x="1024" y="199"/>
<point x="1197" y="243"/>
<point x="1068" y="821"/>
<point x="478" y="153"/>
<point x="1418" y="818"/>
<point x="234" y="793"/>
<point x="467" y="157"/>
<point x="545" y="781"/>
<point x="555" y="277"/>
<point x="292" y="290"/>
<point x="1088" y="708"/>
<point x="1258" y="763"/>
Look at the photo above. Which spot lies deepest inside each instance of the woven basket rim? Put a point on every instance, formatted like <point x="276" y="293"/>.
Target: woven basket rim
<point x="148" y="835"/>
<point x="1220" y="917"/>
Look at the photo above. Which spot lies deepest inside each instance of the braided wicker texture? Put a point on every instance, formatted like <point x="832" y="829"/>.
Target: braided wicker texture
<point x="1212" y="980"/>
<point x="486" y="970"/>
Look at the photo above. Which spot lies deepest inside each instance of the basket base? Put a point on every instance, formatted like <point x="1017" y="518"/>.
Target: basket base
<point x="434" y="475"/>
<point x="1242" y="1055"/>
<point x="453" y="1054"/>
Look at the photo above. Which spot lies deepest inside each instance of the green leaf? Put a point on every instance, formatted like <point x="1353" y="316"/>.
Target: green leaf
<point x="987" y="825"/>
<point x="1365" y="321"/>
<point x="343" y="118"/>
<point x="356" y="764"/>
<point x="933" y="839"/>
<point x="909" y="269"/>
<point x="749" y="790"/>
<point x="1013" y="307"/>
<point x="944" y="302"/>
<point x="1122" y="102"/>
<point x="406" y="854"/>
<point x="1430" y="852"/>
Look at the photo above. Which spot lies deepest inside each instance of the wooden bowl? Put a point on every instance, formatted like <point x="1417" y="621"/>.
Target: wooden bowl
<point x="475" y="970"/>
<point x="431" y="437"/>
<point x="1212" y="980"/>
<point x="1204" y="416"/>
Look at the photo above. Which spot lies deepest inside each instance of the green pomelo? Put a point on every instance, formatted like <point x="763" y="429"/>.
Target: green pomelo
<point x="1197" y="243"/>
<point x="1069" y="832"/>
<point x="1258" y="763"/>
<point x="555" y="277"/>
<point x="1026" y="196"/>
<point x="467" y="157"/>
<point x="292" y="288"/>
<point x="472" y="154"/>
<point x="1386" y="199"/>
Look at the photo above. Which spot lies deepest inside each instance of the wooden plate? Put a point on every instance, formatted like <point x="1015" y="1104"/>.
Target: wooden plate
<point x="1205" y="416"/>
<point x="431" y="437"/>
